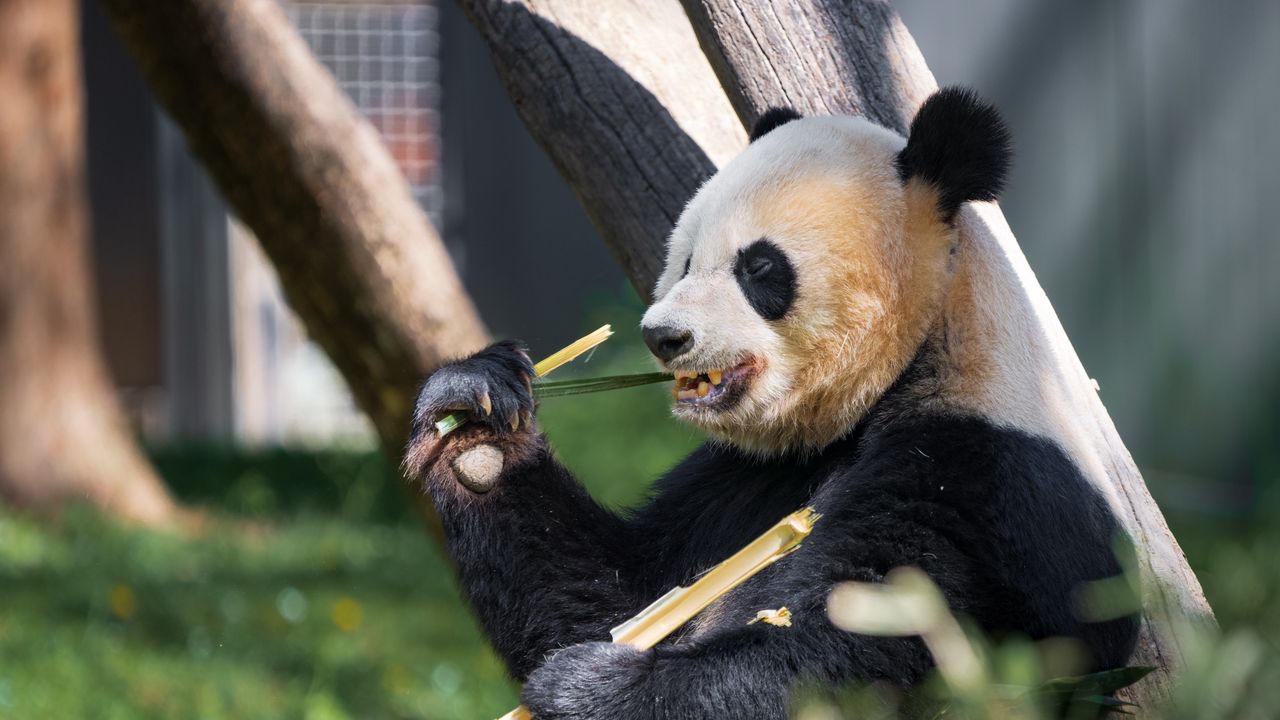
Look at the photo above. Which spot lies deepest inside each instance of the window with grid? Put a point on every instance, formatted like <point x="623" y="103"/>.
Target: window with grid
<point x="385" y="55"/>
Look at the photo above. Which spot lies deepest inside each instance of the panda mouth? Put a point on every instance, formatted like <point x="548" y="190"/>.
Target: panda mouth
<point x="711" y="387"/>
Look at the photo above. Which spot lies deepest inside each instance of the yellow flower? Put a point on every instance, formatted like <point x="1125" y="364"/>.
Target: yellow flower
<point x="347" y="614"/>
<point x="122" y="601"/>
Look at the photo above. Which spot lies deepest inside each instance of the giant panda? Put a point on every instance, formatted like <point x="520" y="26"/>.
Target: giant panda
<point x="830" y="328"/>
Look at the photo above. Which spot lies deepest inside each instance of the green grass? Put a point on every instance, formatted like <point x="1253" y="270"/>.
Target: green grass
<point x="315" y="617"/>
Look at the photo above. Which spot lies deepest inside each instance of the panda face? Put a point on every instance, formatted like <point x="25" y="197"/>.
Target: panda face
<point x="783" y="310"/>
<point x="804" y="277"/>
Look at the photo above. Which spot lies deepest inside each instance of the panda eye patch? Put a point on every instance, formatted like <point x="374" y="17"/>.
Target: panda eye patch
<point x="767" y="278"/>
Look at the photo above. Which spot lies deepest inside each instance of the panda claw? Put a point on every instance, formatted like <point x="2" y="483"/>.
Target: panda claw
<point x="493" y="386"/>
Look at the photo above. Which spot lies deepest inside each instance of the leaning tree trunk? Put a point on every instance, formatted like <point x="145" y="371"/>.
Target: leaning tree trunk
<point x="359" y="262"/>
<point x="604" y="104"/>
<point x="63" y="435"/>
<point x="624" y="103"/>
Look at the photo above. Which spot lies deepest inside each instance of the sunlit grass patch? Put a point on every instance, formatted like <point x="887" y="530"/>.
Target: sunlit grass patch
<point x="312" y="617"/>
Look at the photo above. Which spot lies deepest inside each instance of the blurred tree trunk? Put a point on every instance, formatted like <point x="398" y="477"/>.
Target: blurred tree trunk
<point x="63" y="435"/>
<point x="358" y="260"/>
<point x="600" y="102"/>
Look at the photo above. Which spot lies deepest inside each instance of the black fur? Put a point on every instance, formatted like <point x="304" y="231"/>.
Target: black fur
<point x="501" y="372"/>
<point x="767" y="279"/>
<point x="1002" y="521"/>
<point x="771" y="119"/>
<point x="958" y="144"/>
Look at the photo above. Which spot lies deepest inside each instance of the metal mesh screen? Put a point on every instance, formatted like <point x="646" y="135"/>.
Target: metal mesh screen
<point x="385" y="55"/>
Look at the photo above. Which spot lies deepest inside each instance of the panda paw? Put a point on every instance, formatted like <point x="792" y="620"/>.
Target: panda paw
<point x="494" y="390"/>
<point x="588" y="681"/>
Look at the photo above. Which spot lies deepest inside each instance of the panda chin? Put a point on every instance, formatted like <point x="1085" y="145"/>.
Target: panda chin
<point x="713" y="390"/>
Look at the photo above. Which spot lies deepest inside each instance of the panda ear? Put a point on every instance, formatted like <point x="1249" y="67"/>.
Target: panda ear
<point x="772" y="118"/>
<point x="960" y="146"/>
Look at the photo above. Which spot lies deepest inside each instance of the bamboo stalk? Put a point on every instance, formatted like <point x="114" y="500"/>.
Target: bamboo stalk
<point x="681" y="604"/>
<point x="677" y="607"/>
<point x="573" y="350"/>
<point x="453" y="421"/>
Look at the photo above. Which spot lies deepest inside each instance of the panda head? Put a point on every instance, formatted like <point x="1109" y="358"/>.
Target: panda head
<point x="804" y="276"/>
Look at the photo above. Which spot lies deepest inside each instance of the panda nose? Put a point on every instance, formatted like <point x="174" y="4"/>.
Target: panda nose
<point x="667" y="343"/>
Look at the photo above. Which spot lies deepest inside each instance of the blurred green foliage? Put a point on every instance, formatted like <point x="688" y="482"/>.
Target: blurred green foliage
<point x="274" y="482"/>
<point x="314" y="616"/>
<point x="308" y="590"/>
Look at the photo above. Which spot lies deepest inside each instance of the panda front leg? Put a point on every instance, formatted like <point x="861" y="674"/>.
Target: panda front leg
<point x="542" y="564"/>
<point x="746" y="673"/>
<point x="743" y="669"/>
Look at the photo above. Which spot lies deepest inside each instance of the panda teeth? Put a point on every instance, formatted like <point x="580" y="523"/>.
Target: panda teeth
<point x="692" y="385"/>
<point x="712" y="376"/>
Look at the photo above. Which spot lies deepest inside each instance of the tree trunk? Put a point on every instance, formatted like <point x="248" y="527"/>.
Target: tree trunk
<point x="63" y="435"/>
<point x="599" y="102"/>
<point x="630" y="111"/>
<point x="357" y="258"/>
<point x="819" y="57"/>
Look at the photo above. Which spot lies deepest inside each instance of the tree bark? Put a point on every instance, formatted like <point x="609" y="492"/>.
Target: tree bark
<point x="357" y="258"/>
<point x="598" y="101"/>
<point x="818" y="57"/>
<point x="63" y="435"/>
<point x="623" y="102"/>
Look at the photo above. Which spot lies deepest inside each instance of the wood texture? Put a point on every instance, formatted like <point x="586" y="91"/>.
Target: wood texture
<point x="839" y="57"/>
<point x="63" y="435"/>
<point x="821" y="58"/>
<point x="623" y="102"/>
<point x="358" y="260"/>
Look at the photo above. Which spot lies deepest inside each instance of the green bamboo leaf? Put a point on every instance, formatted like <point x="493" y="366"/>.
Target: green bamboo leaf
<point x="547" y="389"/>
<point x="1109" y="702"/>
<point x="1100" y="683"/>
<point x="1093" y="690"/>
<point x="563" y="388"/>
